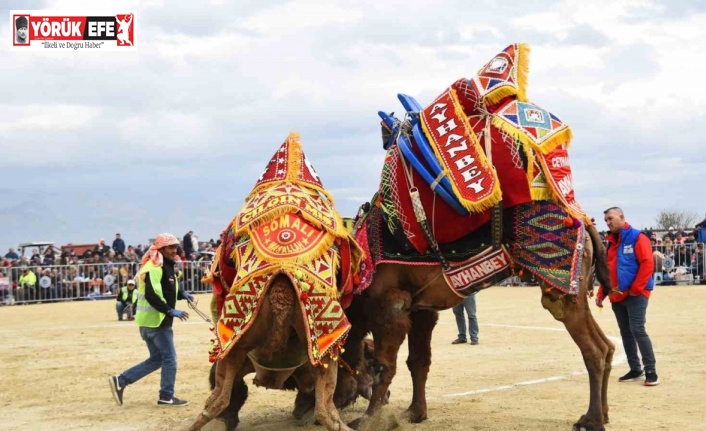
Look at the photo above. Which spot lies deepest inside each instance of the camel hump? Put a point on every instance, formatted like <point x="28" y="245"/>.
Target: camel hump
<point x="282" y="300"/>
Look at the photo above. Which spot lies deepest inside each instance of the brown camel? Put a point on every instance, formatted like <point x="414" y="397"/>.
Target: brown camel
<point x="278" y="328"/>
<point x="355" y="380"/>
<point x="404" y="300"/>
<point x="350" y="385"/>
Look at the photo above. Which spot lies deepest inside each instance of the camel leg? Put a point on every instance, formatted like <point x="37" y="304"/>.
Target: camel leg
<point x="305" y="401"/>
<point x="325" y="410"/>
<point x="419" y="360"/>
<point x="576" y="318"/>
<point x="228" y="419"/>
<point x="217" y="384"/>
<point x="357" y="349"/>
<point x="389" y="331"/>
<point x="596" y="249"/>
<point x="609" y="349"/>
<point x="226" y="372"/>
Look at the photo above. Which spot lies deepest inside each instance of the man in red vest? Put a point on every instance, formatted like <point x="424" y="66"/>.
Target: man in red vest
<point x="631" y="267"/>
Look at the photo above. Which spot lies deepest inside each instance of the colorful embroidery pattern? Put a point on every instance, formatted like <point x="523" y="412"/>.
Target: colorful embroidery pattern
<point x="532" y="125"/>
<point x="327" y="325"/>
<point x="289" y="164"/>
<point x="546" y="247"/>
<point x="319" y="271"/>
<point x="287" y="226"/>
<point x="264" y="205"/>
<point x="289" y="238"/>
<point x="505" y="75"/>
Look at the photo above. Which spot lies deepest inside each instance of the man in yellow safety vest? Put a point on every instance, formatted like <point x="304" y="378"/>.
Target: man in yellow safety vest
<point x="126" y="301"/>
<point x="157" y="293"/>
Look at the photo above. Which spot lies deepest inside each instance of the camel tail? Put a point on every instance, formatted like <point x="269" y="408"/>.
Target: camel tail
<point x="282" y="301"/>
<point x="600" y="261"/>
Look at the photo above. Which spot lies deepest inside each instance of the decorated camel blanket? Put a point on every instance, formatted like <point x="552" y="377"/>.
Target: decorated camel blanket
<point x="540" y="236"/>
<point x="493" y="145"/>
<point x="287" y="226"/>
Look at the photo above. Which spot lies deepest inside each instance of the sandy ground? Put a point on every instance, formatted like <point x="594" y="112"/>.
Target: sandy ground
<point x="526" y="374"/>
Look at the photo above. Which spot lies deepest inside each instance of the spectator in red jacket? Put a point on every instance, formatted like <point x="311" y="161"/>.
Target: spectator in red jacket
<point x="631" y="267"/>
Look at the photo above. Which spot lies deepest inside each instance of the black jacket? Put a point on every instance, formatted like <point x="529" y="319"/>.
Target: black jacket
<point x="168" y="291"/>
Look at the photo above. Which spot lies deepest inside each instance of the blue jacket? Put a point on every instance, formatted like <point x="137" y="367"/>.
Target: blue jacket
<point x="627" y="261"/>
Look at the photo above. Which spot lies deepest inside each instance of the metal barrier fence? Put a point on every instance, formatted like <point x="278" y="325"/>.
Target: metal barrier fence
<point x="679" y="263"/>
<point x="674" y="265"/>
<point x="84" y="281"/>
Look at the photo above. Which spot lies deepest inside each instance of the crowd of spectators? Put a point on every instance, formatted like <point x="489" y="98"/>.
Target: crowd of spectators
<point x="60" y="274"/>
<point x="678" y="252"/>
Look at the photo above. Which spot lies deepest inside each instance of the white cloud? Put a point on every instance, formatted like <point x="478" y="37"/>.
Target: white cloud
<point x="165" y="134"/>
<point x="183" y="49"/>
<point x="19" y="118"/>
<point x="295" y="18"/>
<point x="471" y="32"/>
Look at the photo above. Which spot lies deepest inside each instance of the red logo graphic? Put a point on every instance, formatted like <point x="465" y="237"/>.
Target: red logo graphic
<point x="125" y="29"/>
<point x="56" y="30"/>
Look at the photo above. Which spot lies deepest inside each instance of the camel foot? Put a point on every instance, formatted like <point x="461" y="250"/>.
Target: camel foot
<point x="416" y="414"/>
<point x="588" y="427"/>
<point x="358" y="423"/>
<point x="584" y="424"/>
<point x="307" y="418"/>
<point x="303" y="404"/>
<point x="215" y="425"/>
<point x="382" y="420"/>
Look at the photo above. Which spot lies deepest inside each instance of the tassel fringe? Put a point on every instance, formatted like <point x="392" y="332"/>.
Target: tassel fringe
<point x="560" y="138"/>
<point x="522" y="71"/>
<point x="494" y="97"/>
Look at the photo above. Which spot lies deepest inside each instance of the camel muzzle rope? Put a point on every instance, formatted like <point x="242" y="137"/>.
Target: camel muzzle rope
<point x="193" y="304"/>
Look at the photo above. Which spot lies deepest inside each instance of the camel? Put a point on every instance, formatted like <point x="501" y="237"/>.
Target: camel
<point x="282" y="278"/>
<point x="485" y="151"/>
<point x="278" y="327"/>
<point x="404" y="300"/>
<point x="356" y="380"/>
<point x="302" y="381"/>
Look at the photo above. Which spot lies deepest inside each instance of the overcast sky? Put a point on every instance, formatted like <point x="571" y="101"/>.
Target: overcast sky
<point x="172" y="137"/>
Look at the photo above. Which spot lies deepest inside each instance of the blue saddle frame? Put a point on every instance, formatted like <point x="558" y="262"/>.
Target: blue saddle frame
<point x="406" y="148"/>
<point x="443" y="188"/>
<point x="430" y="156"/>
<point x="410" y="102"/>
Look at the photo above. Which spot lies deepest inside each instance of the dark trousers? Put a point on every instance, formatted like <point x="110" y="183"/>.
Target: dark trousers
<point x="631" y="314"/>
<point x="468" y="304"/>
<point x="160" y="343"/>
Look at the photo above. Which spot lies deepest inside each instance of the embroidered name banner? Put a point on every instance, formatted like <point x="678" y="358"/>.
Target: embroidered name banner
<point x="456" y="146"/>
<point x="557" y="171"/>
<point x="265" y="204"/>
<point x="480" y="268"/>
<point x="288" y="237"/>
